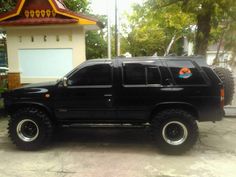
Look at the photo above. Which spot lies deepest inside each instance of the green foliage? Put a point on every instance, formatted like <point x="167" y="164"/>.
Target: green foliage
<point x="211" y="17"/>
<point x="152" y="30"/>
<point x="96" y="45"/>
<point x="153" y="25"/>
<point x="77" y="5"/>
<point x="7" y="5"/>
<point x="230" y="38"/>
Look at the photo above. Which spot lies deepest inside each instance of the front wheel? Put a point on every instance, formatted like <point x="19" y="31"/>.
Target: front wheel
<point x="30" y="128"/>
<point x="175" y="131"/>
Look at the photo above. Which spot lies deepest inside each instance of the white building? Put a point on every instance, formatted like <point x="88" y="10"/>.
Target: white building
<point x="45" y="40"/>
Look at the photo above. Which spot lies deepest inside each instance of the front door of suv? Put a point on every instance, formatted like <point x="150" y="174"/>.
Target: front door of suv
<point x="88" y="96"/>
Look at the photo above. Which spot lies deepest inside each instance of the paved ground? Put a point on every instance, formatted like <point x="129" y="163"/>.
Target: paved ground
<point x="122" y="153"/>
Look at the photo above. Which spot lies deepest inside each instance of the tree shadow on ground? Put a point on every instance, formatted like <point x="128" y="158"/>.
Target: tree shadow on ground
<point x="124" y="139"/>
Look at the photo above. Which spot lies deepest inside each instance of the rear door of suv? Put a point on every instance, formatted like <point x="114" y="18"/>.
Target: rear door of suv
<point x="191" y="85"/>
<point x="139" y="89"/>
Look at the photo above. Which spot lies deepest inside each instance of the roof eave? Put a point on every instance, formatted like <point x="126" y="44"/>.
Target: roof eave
<point x="82" y="19"/>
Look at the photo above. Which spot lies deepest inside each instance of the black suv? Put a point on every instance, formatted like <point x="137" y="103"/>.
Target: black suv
<point x="168" y="94"/>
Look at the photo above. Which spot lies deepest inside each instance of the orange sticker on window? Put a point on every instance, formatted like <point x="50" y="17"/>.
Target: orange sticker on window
<point x="185" y="73"/>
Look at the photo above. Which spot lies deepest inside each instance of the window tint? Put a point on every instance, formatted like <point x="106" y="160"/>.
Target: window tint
<point x="185" y="73"/>
<point x="153" y="75"/>
<point x="99" y="74"/>
<point x="140" y="74"/>
<point x="134" y="74"/>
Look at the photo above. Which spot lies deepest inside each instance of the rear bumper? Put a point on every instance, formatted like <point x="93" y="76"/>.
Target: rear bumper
<point x="212" y="115"/>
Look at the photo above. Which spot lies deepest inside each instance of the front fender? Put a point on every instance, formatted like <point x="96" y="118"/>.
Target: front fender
<point x="15" y="106"/>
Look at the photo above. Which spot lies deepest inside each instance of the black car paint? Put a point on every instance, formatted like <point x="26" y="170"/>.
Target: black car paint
<point x="119" y="103"/>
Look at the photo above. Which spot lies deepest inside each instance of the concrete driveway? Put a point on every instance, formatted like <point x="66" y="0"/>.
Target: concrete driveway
<point x="122" y="153"/>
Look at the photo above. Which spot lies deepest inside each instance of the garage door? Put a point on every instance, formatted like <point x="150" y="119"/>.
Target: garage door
<point x="40" y="63"/>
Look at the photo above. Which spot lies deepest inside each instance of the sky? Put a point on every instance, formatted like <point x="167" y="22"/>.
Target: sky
<point x="101" y="6"/>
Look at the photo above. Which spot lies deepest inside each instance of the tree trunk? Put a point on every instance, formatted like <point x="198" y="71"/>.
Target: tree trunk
<point x="203" y="30"/>
<point x="170" y="45"/>
<point x="216" y="60"/>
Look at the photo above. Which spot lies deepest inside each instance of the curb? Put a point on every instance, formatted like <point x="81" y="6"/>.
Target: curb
<point x="230" y="111"/>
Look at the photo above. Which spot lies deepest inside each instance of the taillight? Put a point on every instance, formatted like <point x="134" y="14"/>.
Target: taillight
<point x="222" y="97"/>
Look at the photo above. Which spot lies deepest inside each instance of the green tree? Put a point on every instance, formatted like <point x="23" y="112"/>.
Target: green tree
<point x="96" y="44"/>
<point x="151" y="32"/>
<point x="77" y="5"/>
<point x="7" y="5"/>
<point x="209" y="14"/>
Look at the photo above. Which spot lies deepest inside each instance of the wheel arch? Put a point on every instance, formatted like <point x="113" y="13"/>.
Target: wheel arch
<point x="175" y="105"/>
<point x="14" y="107"/>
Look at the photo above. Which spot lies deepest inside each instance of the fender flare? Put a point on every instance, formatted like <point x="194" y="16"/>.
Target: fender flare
<point x="182" y="105"/>
<point x="29" y="103"/>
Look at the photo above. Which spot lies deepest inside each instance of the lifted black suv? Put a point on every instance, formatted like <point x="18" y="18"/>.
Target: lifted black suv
<point x="168" y="94"/>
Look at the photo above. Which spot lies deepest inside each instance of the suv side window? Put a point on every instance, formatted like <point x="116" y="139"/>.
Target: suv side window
<point x="134" y="74"/>
<point x="185" y="73"/>
<point x="140" y="74"/>
<point x="99" y="74"/>
<point x="153" y="75"/>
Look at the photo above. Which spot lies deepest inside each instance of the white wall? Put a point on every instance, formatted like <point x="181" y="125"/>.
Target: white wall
<point x="222" y="55"/>
<point x="44" y="37"/>
<point x="46" y="63"/>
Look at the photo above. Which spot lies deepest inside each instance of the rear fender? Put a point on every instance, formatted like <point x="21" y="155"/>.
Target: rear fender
<point x="175" y="105"/>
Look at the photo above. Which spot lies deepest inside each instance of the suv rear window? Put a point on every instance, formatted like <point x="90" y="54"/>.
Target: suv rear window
<point x="140" y="74"/>
<point x="185" y="73"/>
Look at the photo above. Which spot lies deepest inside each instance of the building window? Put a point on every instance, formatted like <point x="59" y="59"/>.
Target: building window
<point x="32" y="38"/>
<point x="20" y="39"/>
<point x="57" y="38"/>
<point x="45" y="38"/>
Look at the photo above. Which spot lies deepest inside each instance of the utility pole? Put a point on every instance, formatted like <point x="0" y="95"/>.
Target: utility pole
<point x="116" y="29"/>
<point x="108" y="30"/>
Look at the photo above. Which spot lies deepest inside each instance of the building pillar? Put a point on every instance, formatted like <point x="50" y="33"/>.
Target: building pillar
<point x="13" y="80"/>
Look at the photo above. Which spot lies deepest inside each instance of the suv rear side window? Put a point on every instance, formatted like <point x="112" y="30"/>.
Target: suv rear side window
<point x="99" y="74"/>
<point x="140" y="74"/>
<point x="134" y="74"/>
<point x="185" y="73"/>
<point x="153" y="75"/>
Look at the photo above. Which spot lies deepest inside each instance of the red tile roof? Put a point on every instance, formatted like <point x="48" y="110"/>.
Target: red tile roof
<point x="37" y="21"/>
<point x="62" y="14"/>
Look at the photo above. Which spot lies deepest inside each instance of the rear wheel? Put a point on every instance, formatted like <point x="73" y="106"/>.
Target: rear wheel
<point x="175" y="131"/>
<point x="30" y="128"/>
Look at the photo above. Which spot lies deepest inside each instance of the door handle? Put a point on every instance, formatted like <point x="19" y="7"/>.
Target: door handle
<point x="108" y="95"/>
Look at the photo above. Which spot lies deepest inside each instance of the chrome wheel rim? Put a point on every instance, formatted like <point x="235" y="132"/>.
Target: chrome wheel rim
<point x="27" y="130"/>
<point x="175" y="133"/>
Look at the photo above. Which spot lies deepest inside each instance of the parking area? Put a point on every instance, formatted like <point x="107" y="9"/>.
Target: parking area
<point x="110" y="152"/>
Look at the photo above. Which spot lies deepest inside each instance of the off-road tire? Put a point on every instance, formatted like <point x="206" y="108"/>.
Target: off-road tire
<point x="162" y="119"/>
<point x="227" y="77"/>
<point x="39" y="117"/>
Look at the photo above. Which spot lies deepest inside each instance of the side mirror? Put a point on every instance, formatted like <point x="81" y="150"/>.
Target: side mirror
<point x="65" y="81"/>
